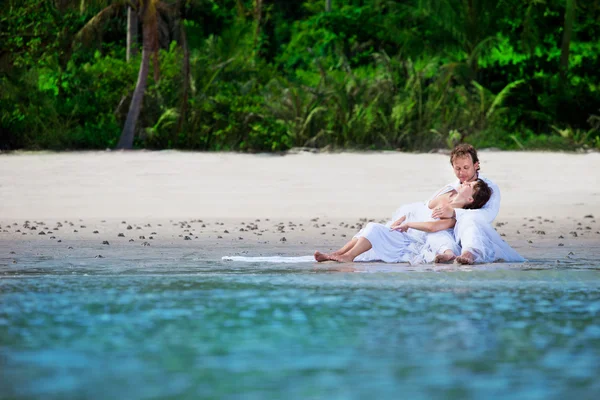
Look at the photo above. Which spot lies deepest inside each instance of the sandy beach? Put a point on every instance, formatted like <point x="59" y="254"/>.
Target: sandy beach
<point x="89" y="205"/>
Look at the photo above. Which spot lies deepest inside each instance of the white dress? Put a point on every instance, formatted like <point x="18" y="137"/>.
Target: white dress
<point x="412" y="246"/>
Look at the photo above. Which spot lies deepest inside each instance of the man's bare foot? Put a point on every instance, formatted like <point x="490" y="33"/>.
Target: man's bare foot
<point x="342" y="258"/>
<point x="465" y="258"/>
<point x="320" y="257"/>
<point x="444" y="258"/>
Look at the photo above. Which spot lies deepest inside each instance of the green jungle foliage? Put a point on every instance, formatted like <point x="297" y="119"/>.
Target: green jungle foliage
<point x="268" y="75"/>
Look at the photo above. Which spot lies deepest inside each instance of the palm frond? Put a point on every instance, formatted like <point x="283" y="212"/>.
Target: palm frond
<point x="94" y="27"/>
<point x="500" y="97"/>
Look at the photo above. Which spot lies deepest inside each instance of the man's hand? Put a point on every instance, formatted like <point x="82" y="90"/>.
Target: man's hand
<point x="398" y="222"/>
<point x="443" y="212"/>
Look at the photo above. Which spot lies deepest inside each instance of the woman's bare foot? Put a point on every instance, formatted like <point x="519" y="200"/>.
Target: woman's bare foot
<point x="320" y="257"/>
<point x="465" y="258"/>
<point x="445" y="257"/>
<point x="343" y="258"/>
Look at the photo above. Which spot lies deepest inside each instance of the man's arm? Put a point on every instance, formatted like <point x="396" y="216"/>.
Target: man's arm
<point x="431" y="226"/>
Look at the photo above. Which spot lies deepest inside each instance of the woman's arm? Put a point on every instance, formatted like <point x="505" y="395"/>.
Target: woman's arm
<point x="432" y="226"/>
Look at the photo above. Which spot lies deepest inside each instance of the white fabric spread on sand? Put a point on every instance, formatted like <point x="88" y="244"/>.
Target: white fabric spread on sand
<point x="271" y="259"/>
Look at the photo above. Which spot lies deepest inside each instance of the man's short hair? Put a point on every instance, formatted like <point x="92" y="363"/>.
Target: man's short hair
<point x="464" y="150"/>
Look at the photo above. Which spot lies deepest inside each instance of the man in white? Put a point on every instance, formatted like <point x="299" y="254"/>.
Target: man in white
<point x="473" y="230"/>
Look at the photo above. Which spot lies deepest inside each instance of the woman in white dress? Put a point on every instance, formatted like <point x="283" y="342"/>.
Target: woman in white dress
<point x="412" y="235"/>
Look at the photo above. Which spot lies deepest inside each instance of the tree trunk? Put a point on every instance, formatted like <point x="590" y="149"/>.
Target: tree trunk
<point x="126" y="141"/>
<point x="566" y="40"/>
<point x="327" y="5"/>
<point x="132" y="32"/>
<point x="186" y="81"/>
<point x="258" y="19"/>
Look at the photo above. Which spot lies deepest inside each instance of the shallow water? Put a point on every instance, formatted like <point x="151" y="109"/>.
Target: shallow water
<point x="202" y="328"/>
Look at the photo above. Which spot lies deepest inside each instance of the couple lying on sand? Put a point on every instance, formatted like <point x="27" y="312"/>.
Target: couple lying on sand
<point x="453" y="225"/>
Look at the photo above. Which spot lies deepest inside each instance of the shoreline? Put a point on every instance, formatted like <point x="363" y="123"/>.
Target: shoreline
<point x="310" y="199"/>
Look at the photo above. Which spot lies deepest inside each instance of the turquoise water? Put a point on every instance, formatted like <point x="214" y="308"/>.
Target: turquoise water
<point x="225" y="330"/>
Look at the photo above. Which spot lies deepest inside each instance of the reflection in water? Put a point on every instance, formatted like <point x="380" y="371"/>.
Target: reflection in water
<point x="219" y="330"/>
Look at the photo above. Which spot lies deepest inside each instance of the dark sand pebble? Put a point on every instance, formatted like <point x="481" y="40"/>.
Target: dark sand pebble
<point x="187" y="238"/>
<point x="129" y="227"/>
<point x="152" y="237"/>
<point x="105" y="242"/>
<point x="283" y="239"/>
<point x="145" y="244"/>
<point x="70" y="248"/>
<point x="131" y="240"/>
<point x="529" y="241"/>
<point x="95" y="232"/>
<point x="589" y="216"/>
<point x="121" y="235"/>
<point x="560" y="245"/>
<point x="219" y="237"/>
<point x="12" y="252"/>
<point x="59" y="241"/>
<point x="561" y="237"/>
<point x="99" y="256"/>
<point x="144" y="237"/>
<point x="42" y="233"/>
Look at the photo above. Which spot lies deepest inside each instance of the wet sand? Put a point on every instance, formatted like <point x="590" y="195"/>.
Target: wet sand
<point x="190" y="207"/>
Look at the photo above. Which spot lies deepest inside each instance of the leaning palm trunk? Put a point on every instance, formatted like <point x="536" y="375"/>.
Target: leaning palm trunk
<point x="126" y="141"/>
<point x="150" y="35"/>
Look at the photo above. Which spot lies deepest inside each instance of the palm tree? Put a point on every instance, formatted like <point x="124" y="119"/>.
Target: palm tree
<point x="148" y="13"/>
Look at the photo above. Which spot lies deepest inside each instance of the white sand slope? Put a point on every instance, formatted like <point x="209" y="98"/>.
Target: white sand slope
<point x="171" y="184"/>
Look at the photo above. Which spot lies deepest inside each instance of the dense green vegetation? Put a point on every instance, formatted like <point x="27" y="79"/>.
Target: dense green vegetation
<point x="267" y="75"/>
